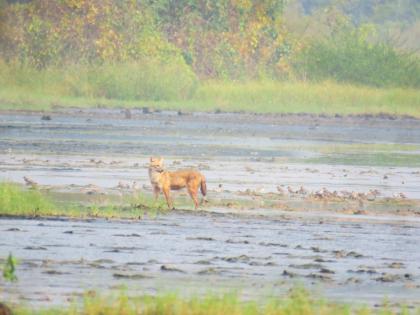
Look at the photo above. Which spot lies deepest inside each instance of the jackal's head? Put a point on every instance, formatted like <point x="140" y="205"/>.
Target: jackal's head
<point x="156" y="163"/>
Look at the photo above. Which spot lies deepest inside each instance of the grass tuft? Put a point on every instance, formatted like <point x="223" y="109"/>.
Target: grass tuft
<point x="298" y="302"/>
<point x="15" y="201"/>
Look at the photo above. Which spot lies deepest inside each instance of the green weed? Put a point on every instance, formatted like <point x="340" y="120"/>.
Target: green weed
<point x="9" y="269"/>
<point x="298" y="302"/>
<point x="14" y="200"/>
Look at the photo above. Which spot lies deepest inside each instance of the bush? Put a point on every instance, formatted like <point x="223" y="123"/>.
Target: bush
<point x="350" y="56"/>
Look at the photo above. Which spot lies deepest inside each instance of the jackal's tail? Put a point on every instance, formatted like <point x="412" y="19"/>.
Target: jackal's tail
<point x="203" y="186"/>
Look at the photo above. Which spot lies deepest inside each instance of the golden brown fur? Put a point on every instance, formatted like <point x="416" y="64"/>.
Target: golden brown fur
<point x="166" y="181"/>
<point x="4" y="310"/>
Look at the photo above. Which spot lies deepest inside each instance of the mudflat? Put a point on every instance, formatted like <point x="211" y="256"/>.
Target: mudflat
<point x="330" y="202"/>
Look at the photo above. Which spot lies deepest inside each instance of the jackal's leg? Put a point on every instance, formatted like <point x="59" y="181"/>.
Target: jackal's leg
<point x="156" y="192"/>
<point x="193" y="194"/>
<point x="167" y="194"/>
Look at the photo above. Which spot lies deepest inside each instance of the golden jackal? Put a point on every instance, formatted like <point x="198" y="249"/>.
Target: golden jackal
<point x="166" y="181"/>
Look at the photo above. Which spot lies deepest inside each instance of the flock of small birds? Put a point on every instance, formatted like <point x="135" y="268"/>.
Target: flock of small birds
<point x="322" y="194"/>
<point x="325" y="194"/>
<point x="126" y="186"/>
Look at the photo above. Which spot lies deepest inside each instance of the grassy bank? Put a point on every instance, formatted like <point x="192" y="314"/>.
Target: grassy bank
<point x="298" y="302"/>
<point x="16" y="201"/>
<point x="174" y="87"/>
<point x="297" y="97"/>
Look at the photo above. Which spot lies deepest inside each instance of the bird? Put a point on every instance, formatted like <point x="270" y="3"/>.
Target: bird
<point x="135" y="186"/>
<point x="319" y="194"/>
<point x="302" y="190"/>
<point x="370" y="196"/>
<point x="345" y="194"/>
<point x="259" y="190"/>
<point x="30" y="182"/>
<point x="122" y="185"/>
<point x="353" y="195"/>
<point x="280" y="190"/>
<point x="91" y="189"/>
<point x="219" y="188"/>
<point x="375" y="192"/>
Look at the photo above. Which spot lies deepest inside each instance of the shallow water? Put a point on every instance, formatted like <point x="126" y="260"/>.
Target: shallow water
<point x="345" y="257"/>
<point x="207" y="252"/>
<point x="239" y="151"/>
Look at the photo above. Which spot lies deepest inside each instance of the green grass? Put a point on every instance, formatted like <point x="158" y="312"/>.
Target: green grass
<point x="176" y="88"/>
<point x="298" y="302"/>
<point x="298" y="97"/>
<point x="17" y="201"/>
<point x="14" y="200"/>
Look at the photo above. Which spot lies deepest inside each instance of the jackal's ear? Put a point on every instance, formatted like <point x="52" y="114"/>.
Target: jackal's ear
<point x="151" y="159"/>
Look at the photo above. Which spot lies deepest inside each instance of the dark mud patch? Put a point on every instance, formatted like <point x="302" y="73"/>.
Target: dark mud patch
<point x="203" y="262"/>
<point x="53" y="272"/>
<point x="167" y="268"/>
<point x="263" y="264"/>
<point x="395" y="265"/>
<point x="290" y="274"/>
<point x="387" y="277"/>
<point x="35" y="248"/>
<point x="233" y="241"/>
<point x="306" y="266"/>
<point x="200" y="238"/>
<point x="128" y="235"/>
<point x="344" y="254"/>
<point x="273" y="244"/>
<point x="210" y="271"/>
<point x="14" y="230"/>
<point x="365" y="269"/>
<point x="237" y="259"/>
<point x="104" y="261"/>
<point x="321" y="277"/>
<point x="130" y="276"/>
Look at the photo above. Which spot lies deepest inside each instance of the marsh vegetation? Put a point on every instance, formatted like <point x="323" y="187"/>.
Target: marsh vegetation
<point x="264" y="56"/>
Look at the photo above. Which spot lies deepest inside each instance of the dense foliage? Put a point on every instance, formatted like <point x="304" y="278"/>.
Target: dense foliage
<point x="123" y="49"/>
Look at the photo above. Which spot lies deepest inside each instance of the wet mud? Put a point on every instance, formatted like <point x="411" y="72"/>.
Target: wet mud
<point x="278" y="213"/>
<point x="241" y="155"/>
<point x="347" y="261"/>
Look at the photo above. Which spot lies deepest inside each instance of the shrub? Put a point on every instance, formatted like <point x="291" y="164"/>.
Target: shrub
<point x="351" y="55"/>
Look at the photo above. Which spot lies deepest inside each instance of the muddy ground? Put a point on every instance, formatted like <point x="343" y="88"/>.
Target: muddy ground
<point x="330" y="202"/>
